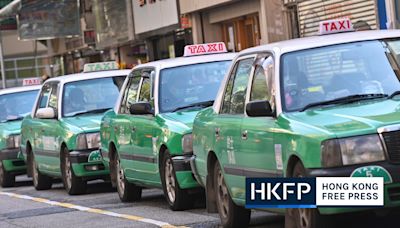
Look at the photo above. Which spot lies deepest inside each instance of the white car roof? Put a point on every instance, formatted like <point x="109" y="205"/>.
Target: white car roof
<point x="324" y="40"/>
<point x="19" y="89"/>
<point x="182" y="61"/>
<point x="89" y="75"/>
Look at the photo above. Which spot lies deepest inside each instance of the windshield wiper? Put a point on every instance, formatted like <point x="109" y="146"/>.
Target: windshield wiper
<point x="90" y="112"/>
<point x="345" y="100"/>
<point x="201" y="104"/>
<point x="14" y="119"/>
<point x="395" y="93"/>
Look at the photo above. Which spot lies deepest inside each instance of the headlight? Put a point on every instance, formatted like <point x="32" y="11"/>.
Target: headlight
<point x="88" y="141"/>
<point x="353" y="150"/>
<point x="13" y="141"/>
<point x="187" y="144"/>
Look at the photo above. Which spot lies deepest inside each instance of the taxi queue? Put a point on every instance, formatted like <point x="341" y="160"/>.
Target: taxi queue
<point x="318" y="106"/>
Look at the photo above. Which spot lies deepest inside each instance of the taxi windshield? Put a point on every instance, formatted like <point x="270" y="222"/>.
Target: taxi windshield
<point x="190" y="86"/>
<point x="90" y="96"/>
<point x="9" y="111"/>
<point x="325" y="75"/>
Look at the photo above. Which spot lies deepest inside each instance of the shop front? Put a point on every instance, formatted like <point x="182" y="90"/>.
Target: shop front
<point x="164" y="34"/>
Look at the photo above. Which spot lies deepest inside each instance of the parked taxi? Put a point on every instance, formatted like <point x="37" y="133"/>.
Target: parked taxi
<point x="146" y="140"/>
<point x="60" y="138"/>
<point x="15" y="104"/>
<point x="320" y="106"/>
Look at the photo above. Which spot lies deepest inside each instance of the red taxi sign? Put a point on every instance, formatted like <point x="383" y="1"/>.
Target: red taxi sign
<point x="31" y="81"/>
<point x="335" y="26"/>
<point x="202" y="49"/>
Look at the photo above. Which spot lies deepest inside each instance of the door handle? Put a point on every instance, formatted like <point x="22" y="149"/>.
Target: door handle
<point x="244" y="135"/>
<point x="217" y="132"/>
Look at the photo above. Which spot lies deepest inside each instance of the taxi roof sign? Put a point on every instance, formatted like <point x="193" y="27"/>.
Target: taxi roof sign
<point x="101" y="66"/>
<point x="335" y="26"/>
<point x="31" y="81"/>
<point x="203" y="49"/>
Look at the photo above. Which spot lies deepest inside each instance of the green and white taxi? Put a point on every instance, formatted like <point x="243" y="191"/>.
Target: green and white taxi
<point x="60" y="138"/>
<point x="146" y="140"/>
<point x="323" y="106"/>
<point x="15" y="104"/>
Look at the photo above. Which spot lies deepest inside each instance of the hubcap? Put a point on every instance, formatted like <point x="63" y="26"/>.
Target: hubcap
<point x="121" y="178"/>
<point x="223" y="195"/>
<point x="68" y="172"/>
<point x="170" y="180"/>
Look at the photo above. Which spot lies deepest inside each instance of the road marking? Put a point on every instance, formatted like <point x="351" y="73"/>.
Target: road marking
<point x="92" y="210"/>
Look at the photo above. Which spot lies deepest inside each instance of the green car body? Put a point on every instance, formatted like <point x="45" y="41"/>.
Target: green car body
<point x="10" y="129"/>
<point x="136" y="143"/>
<point x="262" y="136"/>
<point x="59" y="145"/>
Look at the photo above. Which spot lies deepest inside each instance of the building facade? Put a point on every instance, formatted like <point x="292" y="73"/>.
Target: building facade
<point x="239" y="23"/>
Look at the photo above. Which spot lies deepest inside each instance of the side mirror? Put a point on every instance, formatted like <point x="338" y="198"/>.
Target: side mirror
<point x="46" y="113"/>
<point x="141" y="108"/>
<point x="259" y="108"/>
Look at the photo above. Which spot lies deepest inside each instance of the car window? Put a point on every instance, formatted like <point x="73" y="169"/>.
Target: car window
<point x="332" y="72"/>
<point x="234" y="103"/>
<point x="259" y="90"/>
<point x="190" y="86"/>
<point x="53" y="101"/>
<point x="131" y="92"/>
<point x="145" y="90"/>
<point x="44" y="96"/>
<point x="90" y="96"/>
<point x="262" y="85"/>
<point x="9" y="111"/>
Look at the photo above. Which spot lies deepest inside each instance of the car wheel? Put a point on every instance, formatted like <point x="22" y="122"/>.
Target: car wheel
<point x="6" y="178"/>
<point x="302" y="217"/>
<point x="177" y="198"/>
<point x="73" y="185"/>
<point x="127" y="192"/>
<point x="231" y="214"/>
<point x="40" y="181"/>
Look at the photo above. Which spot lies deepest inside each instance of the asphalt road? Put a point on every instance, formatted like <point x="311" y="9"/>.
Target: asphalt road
<point x="23" y="206"/>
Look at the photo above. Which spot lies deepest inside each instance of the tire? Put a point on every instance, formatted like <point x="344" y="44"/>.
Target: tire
<point x="73" y="185"/>
<point x="40" y="181"/>
<point x="127" y="192"/>
<point x="303" y="217"/>
<point x="231" y="214"/>
<point x="6" y="178"/>
<point x="177" y="198"/>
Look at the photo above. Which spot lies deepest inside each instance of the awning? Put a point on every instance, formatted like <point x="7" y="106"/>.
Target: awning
<point x="10" y="10"/>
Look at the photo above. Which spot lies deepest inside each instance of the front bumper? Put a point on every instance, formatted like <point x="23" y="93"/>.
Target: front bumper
<point x="11" y="162"/>
<point x="392" y="190"/>
<point x="88" y="164"/>
<point x="183" y="172"/>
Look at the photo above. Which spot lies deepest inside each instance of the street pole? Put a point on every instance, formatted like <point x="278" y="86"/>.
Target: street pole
<point x="3" y="72"/>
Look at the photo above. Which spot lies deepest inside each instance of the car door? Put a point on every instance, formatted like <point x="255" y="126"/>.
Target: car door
<point x="260" y="157"/>
<point x="48" y="132"/>
<point x="145" y="155"/>
<point x="228" y="122"/>
<point x="122" y="124"/>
